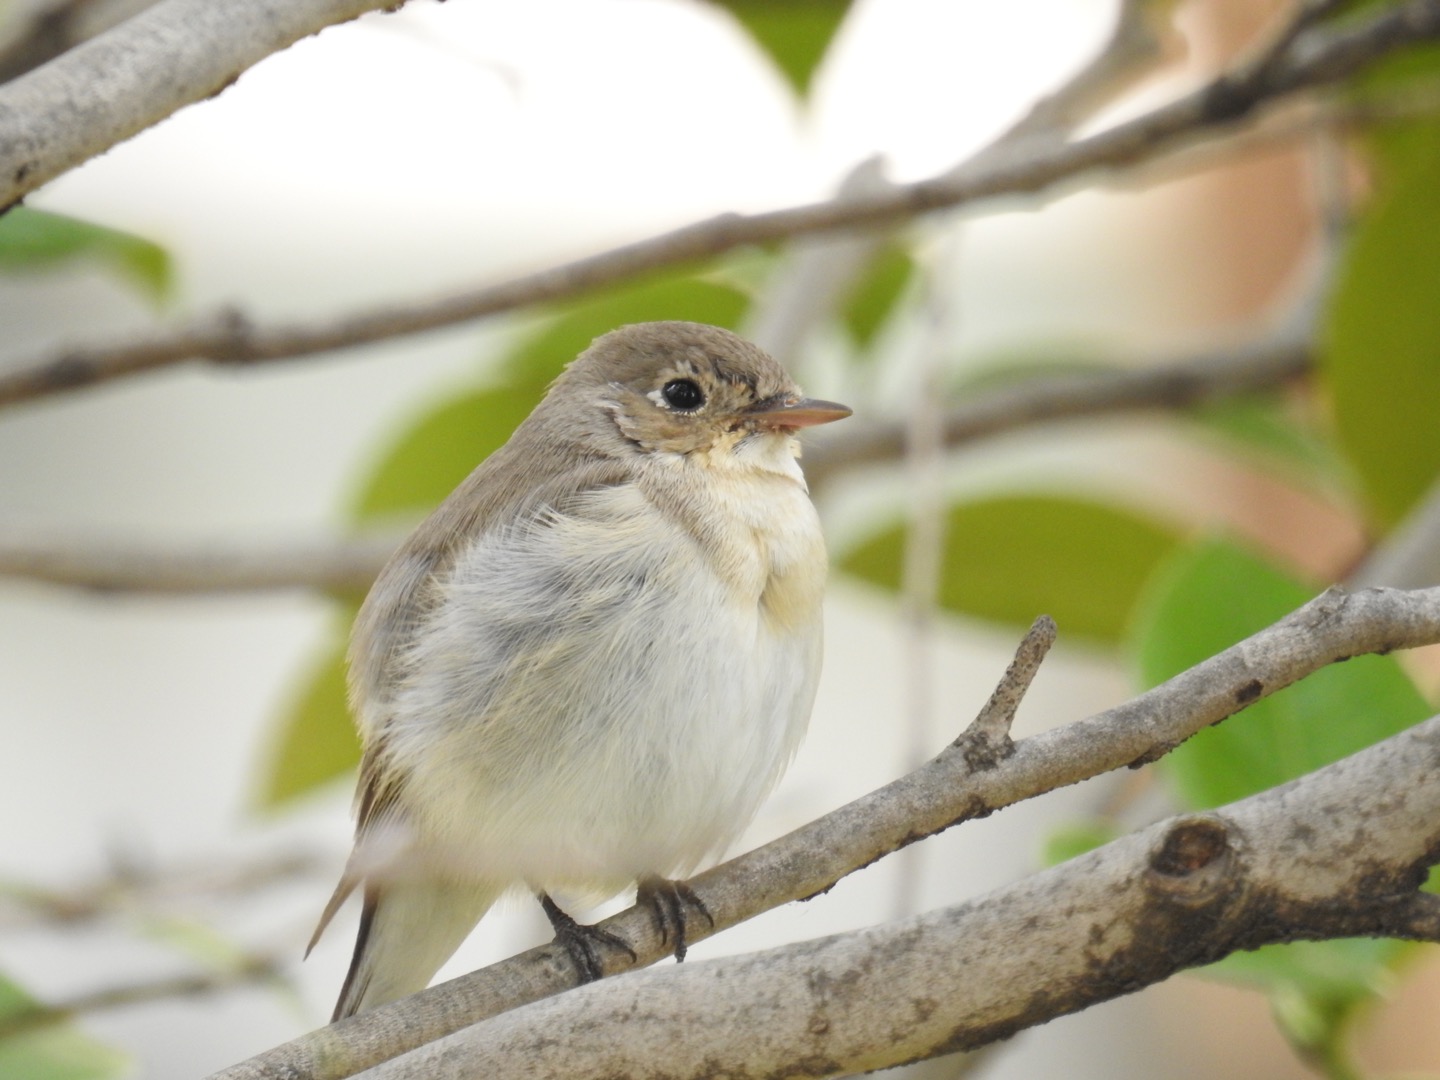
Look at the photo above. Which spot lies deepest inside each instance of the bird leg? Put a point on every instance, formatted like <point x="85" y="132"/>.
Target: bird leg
<point x="667" y="901"/>
<point x="582" y="942"/>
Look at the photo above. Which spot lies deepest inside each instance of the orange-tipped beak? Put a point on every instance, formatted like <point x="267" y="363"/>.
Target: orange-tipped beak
<point x="793" y="412"/>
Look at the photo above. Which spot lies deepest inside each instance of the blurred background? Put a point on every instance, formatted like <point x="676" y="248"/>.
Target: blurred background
<point x="405" y="155"/>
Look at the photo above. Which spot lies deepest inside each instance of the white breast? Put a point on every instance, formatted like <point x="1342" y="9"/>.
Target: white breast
<point x="611" y="693"/>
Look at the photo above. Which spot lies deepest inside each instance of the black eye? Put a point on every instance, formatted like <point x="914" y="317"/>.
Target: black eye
<point x="683" y="394"/>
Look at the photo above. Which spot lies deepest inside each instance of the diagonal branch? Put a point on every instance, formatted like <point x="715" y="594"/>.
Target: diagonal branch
<point x="953" y="787"/>
<point x="1182" y="893"/>
<point x="1312" y="58"/>
<point x="134" y="75"/>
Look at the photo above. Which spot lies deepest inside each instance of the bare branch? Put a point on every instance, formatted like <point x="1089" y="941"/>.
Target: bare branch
<point x="351" y="563"/>
<point x="130" y="887"/>
<point x="1316" y="57"/>
<point x="104" y="565"/>
<point x="991" y="729"/>
<point x="1180" y="894"/>
<point x="1173" y="385"/>
<point x="45" y="33"/>
<point x="947" y="790"/>
<point x="246" y="972"/>
<point x="115" y="85"/>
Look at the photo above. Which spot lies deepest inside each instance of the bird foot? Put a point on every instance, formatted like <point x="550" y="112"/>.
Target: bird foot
<point x="667" y="901"/>
<point x="581" y="942"/>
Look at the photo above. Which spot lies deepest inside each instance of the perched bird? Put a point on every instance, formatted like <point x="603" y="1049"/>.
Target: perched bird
<point x="592" y="662"/>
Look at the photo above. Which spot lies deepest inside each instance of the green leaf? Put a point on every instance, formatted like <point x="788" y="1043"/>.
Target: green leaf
<point x="1265" y="428"/>
<point x="1075" y="838"/>
<point x="1214" y="594"/>
<point x="314" y="740"/>
<point x="794" y="33"/>
<point x="873" y="297"/>
<point x="52" y="1052"/>
<point x="1014" y="557"/>
<point x="39" y="240"/>
<point x="1380" y="353"/>
<point x="440" y="450"/>
<point x="427" y="462"/>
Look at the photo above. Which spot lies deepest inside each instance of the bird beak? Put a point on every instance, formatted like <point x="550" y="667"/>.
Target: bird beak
<point x="795" y="412"/>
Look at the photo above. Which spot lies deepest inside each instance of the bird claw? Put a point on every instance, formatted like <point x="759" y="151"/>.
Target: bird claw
<point x="667" y="901"/>
<point x="582" y="943"/>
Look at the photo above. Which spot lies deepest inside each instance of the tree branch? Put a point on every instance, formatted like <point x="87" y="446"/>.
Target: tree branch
<point x="136" y="74"/>
<point x="130" y="887"/>
<point x="48" y="32"/>
<point x="1180" y="894"/>
<point x="1315" y="57"/>
<point x="957" y="785"/>
<point x="245" y="972"/>
<point x="351" y="563"/>
<point x="1176" y="384"/>
<point x="346" y="565"/>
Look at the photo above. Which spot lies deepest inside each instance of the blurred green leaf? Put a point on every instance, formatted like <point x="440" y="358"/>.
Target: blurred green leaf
<point x="437" y="452"/>
<point x="429" y="460"/>
<point x="53" y="1052"/>
<point x="795" y="33"/>
<point x="1380" y="353"/>
<point x="873" y="297"/>
<point x="314" y="740"/>
<point x="194" y="939"/>
<point x="1014" y="557"/>
<point x="1075" y="838"/>
<point x="1264" y="427"/>
<point x="1214" y="594"/>
<point x="39" y="240"/>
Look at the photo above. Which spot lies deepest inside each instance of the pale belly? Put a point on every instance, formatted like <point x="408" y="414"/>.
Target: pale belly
<point x="593" y="705"/>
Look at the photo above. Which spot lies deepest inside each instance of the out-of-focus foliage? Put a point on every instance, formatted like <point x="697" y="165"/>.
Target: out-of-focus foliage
<point x="794" y="33"/>
<point x="50" y="1051"/>
<point x="1014" y="557"/>
<point x="32" y="240"/>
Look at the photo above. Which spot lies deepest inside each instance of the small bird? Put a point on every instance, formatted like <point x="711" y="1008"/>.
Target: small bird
<point x="591" y="663"/>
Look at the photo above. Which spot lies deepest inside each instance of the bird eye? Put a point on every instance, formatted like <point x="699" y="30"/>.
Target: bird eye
<point x="683" y="394"/>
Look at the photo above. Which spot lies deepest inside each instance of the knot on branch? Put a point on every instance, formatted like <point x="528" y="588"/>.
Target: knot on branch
<point x="230" y="339"/>
<point x="1194" y="865"/>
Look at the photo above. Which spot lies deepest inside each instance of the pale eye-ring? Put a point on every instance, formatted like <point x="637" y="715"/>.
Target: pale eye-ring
<point x="683" y="394"/>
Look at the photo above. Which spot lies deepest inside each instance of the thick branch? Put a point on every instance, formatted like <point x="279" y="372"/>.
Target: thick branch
<point x="957" y="785"/>
<point x="1314" y="58"/>
<point x="1180" y="894"/>
<point x="47" y="32"/>
<point x="135" y="75"/>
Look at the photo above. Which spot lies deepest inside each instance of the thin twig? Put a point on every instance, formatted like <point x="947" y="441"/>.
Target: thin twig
<point x="991" y="728"/>
<point x="166" y="988"/>
<point x="1171" y="386"/>
<point x="130" y="888"/>
<point x="1317" y="57"/>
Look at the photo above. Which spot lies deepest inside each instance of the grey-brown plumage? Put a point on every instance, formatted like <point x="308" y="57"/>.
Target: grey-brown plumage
<point x="594" y="659"/>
